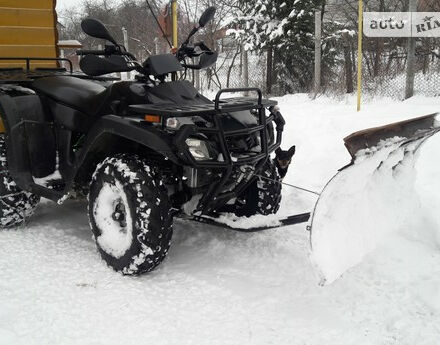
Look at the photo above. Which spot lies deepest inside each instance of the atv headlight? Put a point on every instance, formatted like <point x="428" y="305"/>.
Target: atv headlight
<point x="198" y="149"/>
<point x="173" y="123"/>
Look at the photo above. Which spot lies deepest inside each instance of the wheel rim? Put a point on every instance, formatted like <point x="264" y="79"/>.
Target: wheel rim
<point x="112" y="217"/>
<point x="119" y="215"/>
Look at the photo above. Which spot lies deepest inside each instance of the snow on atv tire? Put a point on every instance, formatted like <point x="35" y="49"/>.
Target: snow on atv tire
<point x="263" y="196"/>
<point x="15" y="205"/>
<point x="129" y="214"/>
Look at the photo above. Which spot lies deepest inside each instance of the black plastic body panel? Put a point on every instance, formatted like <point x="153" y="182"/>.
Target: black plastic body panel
<point x="28" y="153"/>
<point x="23" y="159"/>
<point x="32" y="122"/>
<point x="41" y="144"/>
<point x="77" y="93"/>
<point x="132" y="129"/>
<point x="175" y="93"/>
<point x="89" y="97"/>
<point x="158" y="65"/>
<point x="48" y="130"/>
<point x="68" y="118"/>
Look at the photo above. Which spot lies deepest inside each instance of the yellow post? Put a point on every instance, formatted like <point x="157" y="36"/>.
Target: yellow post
<point x="174" y="15"/>
<point x="359" y="71"/>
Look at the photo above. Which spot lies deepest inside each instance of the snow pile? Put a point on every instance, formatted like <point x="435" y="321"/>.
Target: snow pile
<point x="362" y="205"/>
<point x="226" y="287"/>
<point x="245" y="223"/>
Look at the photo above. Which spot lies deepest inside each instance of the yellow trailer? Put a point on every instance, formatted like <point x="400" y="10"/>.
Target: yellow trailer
<point x="28" y="28"/>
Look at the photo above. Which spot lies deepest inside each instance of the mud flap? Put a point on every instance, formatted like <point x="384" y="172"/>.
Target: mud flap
<point x="356" y="209"/>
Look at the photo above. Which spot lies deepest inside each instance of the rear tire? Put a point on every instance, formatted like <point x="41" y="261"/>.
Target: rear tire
<point x="129" y="213"/>
<point x="15" y="205"/>
<point x="263" y="196"/>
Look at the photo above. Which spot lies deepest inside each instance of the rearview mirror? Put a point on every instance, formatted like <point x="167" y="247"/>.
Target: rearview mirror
<point x="95" y="28"/>
<point x="207" y="16"/>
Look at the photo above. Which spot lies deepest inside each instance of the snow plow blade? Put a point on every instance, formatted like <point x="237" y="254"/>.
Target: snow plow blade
<point x="409" y="130"/>
<point x="353" y="215"/>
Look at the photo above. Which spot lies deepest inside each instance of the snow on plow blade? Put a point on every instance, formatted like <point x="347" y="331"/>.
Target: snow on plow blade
<point x="371" y="197"/>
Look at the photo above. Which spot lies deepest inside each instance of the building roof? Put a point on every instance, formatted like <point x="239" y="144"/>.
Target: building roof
<point x="69" y="44"/>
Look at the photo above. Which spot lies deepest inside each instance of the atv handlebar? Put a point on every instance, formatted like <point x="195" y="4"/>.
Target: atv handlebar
<point x="199" y="49"/>
<point x="190" y="50"/>
<point x="105" y="52"/>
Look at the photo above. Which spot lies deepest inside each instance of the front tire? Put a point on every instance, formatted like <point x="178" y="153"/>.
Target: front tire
<point x="263" y="196"/>
<point x="15" y="205"/>
<point x="129" y="213"/>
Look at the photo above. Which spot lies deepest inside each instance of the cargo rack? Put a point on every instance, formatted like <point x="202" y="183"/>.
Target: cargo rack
<point x="20" y="75"/>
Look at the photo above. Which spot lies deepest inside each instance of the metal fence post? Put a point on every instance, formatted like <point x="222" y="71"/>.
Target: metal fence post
<point x="359" y="58"/>
<point x="348" y="64"/>
<point x="197" y="77"/>
<point x="410" y="67"/>
<point x="317" y="52"/>
<point x="269" y="70"/>
<point x="125" y="35"/>
<point x="156" y="46"/>
<point x="245" y="69"/>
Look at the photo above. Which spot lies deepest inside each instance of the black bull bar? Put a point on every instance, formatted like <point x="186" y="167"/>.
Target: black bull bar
<point x="214" y="197"/>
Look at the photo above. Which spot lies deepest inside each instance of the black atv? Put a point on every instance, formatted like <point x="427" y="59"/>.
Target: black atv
<point x="144" y="151"/>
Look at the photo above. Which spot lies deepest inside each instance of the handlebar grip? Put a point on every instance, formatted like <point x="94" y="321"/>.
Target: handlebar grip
<point x="90" y="52"/>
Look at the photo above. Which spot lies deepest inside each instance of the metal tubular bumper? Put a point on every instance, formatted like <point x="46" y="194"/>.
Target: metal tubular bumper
<point x="215" y="196"/>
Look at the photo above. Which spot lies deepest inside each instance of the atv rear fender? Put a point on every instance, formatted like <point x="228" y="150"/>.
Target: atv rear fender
<point x="30" y="138"/>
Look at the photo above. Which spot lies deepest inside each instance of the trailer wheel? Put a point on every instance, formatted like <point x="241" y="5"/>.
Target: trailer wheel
<point x="263" y="196"/>
<point x="129" y="213"/>
<point x="15" y="205"/>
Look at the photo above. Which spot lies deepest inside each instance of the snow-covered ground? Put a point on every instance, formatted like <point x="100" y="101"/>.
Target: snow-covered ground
<point x="224" y="287"/>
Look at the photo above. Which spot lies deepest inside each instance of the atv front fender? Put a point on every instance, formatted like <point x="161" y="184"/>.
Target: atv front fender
<point x="113" y="134"/>
<point x="131" y="129"/>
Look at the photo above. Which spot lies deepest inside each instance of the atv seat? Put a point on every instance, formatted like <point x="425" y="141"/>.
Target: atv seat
<point x="83" y="95"/>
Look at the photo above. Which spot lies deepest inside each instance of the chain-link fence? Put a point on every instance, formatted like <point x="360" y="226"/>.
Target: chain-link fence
<point x="235" y="68"/>
<point x="391" y="82"/>
<point x="384" y="66"/>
